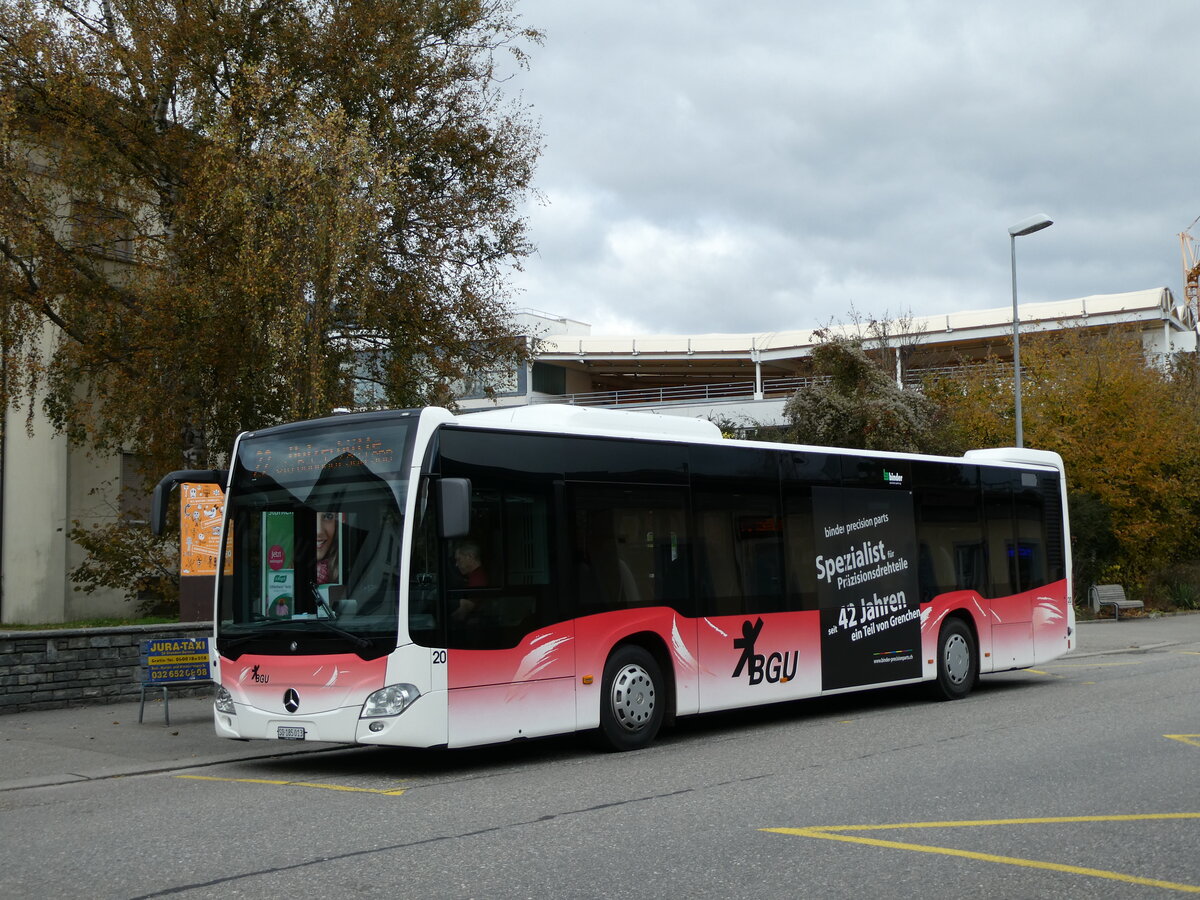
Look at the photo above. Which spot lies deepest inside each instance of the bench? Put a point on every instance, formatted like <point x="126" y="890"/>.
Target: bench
<point x="1112" y="595"/>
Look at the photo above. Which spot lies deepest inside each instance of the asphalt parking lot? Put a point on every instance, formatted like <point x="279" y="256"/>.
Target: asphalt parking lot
<point x="107" y="741"/>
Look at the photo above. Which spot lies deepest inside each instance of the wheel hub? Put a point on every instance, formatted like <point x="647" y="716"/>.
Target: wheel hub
<point x="958" y="658"/>
<point x="633" y="697"/>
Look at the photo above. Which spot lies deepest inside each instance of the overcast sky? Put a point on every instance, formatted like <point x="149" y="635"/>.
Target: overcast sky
<point x="766" y="165"/>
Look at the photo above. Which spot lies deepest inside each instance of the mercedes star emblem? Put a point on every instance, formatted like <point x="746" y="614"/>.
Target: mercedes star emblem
<point x="291" y="700"/>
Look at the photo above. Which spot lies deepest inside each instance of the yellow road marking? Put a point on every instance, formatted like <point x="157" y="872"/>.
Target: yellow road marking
<point x="831" y="833"/>
<point x="1050" y="674"/>
<point x="1132" y="662"/>
<point x="1193" y="739"/>
<point x="395" y="792"/>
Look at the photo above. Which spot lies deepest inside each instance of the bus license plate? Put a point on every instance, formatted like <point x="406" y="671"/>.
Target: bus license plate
<point x="290" y="733"/>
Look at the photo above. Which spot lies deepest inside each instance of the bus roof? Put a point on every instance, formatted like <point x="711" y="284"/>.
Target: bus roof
<point x="591" y="420"/>
<point x="648" y="424"/>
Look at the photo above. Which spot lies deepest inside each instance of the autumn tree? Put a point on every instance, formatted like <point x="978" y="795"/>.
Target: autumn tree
<point x="218" y="216"/>
<point x="854" y="403"/>
<point x="1128" y="429"/>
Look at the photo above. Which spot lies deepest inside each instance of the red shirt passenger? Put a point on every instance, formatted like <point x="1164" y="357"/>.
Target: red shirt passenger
<point x="470" y="567"/>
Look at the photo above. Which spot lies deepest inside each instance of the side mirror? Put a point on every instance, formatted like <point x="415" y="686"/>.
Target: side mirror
<point x="158" y="504"/>
<point x="454" y="507"/>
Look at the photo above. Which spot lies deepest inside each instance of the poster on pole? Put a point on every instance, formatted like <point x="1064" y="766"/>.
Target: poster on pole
<point x="866" y="559"/>
<point x="200" y="508"/>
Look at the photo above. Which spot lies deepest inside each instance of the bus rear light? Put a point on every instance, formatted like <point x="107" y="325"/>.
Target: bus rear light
<point x="389" y="701"/>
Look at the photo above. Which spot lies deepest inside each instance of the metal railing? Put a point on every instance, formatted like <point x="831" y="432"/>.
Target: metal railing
<point x="773" y="389"/>
<point x="918" y="377"/>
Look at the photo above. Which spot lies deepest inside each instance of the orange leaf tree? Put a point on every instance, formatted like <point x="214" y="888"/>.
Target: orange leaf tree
<point x="1128" y="429"/>
<point x="217" y="216"/>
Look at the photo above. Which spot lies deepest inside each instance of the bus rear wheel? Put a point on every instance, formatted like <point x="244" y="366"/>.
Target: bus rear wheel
<point x="631" y="699"/>
<point x="957" y="661"/>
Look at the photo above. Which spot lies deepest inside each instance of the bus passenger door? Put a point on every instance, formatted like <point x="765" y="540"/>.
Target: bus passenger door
<point x="510" y="655"/>
<point x="626" y="571"/>
<point x="755" y="591"/>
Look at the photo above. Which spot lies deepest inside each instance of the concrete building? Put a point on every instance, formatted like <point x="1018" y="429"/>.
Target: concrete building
<point x="46" y="485"/>
<point x="750" y="376"/>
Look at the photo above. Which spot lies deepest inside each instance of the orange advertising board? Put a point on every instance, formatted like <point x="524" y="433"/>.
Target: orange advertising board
<point x="200" y="529"/>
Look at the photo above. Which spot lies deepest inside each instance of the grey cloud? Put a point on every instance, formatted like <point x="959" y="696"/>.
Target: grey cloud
<point x="712" y="168"/>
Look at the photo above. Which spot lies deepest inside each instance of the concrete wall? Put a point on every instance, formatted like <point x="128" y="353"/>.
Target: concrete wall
<point x="93" y="487"/>
<point x="48" y="485"/>
<point x="54" y="669"/>
<point x="1164" y="340"/>
<point x="33" y="566"/>
<point x="579" y="382"/>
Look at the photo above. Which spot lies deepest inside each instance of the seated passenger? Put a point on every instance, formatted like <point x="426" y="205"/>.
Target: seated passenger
<point x="469" y="563"/>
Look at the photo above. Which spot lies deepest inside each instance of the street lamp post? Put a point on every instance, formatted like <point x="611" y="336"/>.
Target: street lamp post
<point x="1022" y="228"/>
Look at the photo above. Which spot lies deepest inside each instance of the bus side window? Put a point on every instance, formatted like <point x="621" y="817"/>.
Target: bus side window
<point x="1052" y="522"/>
<point x="498" y="577"/>
<point x="425" y="624"/>
<point x="629" y="548"/>
<point x="1001" y="549"/>
<point x="1029" y="513"/>
<point x="478" y="559"/>
<point x="950" y="533"/>
<point x="739" y="552"/>
<point x="799" y="555"/>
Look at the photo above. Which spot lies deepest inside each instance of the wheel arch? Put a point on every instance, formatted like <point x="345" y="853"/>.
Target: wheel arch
<point x="970" y="617"/>
<point x="653" y="644"/>
<point x="946" y="684"/>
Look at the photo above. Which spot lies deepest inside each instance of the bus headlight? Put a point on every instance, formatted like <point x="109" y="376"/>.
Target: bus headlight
<point x="390" y="701"/>
<point x="224" y="702"/>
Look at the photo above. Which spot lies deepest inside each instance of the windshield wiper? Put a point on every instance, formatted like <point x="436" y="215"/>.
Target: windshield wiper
<point x="322" y="603"/>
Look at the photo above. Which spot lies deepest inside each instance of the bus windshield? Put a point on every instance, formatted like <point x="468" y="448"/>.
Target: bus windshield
<point x="315" y="518"/>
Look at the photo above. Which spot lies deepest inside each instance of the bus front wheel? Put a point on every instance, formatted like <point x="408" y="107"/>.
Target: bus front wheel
<point x="957" y="661"/>
<point x="631" y="699"/>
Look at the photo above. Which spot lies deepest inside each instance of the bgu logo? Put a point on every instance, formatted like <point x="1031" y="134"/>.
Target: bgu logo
<point x="260" y="677"/>
<point x="773" y="669"/>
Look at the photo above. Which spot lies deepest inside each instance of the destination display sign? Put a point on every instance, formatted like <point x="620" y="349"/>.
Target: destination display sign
<point x="281" y="460"/>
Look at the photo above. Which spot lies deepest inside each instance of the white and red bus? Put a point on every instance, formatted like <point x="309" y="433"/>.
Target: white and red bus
<point x="421" y="579"/>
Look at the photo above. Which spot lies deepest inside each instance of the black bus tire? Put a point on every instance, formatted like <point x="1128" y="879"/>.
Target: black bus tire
<point x="957" y="661"/>
<point x="632" y="699"/>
